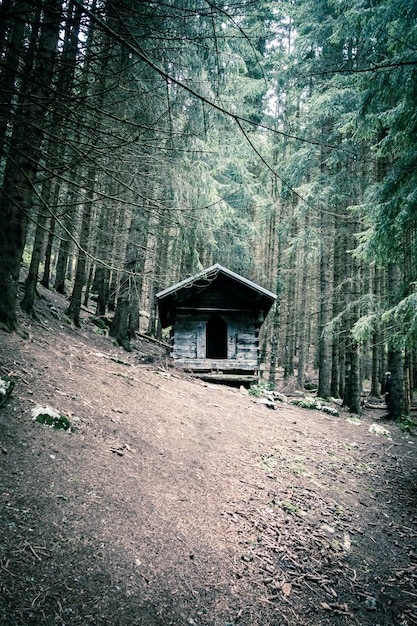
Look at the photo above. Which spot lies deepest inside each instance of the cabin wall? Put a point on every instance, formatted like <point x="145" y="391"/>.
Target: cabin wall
<point x="189" y="342"/>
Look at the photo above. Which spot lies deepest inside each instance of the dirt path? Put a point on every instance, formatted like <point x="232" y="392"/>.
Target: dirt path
<point x="176" y="502"/>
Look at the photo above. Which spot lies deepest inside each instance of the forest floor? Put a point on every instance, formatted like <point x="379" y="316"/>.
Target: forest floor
<point x="173" y="501"/>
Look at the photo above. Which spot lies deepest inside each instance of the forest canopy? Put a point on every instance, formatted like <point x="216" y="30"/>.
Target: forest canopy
<point x="144" y="141"/>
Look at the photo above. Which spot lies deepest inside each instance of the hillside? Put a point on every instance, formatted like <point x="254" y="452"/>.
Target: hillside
<point x="176" y="502"/>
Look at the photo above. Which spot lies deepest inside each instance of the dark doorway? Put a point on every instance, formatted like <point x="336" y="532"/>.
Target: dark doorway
<point x="216" y="338"/>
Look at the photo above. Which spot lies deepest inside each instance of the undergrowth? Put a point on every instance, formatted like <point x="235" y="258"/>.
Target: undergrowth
<point x="316" y="404"/>
<point x="407" y="425"/>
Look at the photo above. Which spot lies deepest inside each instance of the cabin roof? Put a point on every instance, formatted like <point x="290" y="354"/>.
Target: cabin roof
<point x="190" y="288"/>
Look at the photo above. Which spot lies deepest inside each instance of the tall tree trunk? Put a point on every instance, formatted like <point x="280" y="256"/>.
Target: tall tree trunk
<point x="275" y="265"/>
<point x="290" y="315"/>
<point x="326" y="310"/>
<point x="48" y="253"/>
<point x="355" y="384"/>
<point x="120" y="325"/>
<point x="74" y="308"/>
<point x="338" y="306"/>
<point x="376" y="341"/>
<point x="302" y="338"/>
<point x="395" y="353"/>
<point x="276" y="322"/>
<point x="106" y="236"/>
<point x="22" y="164"/>
<point x="407" y="382"/>
<point x="67" y="232"/>
<point x="396" y="367"/>
<point x="32" y="277"/>
<point x="12" y="52"/>
<point x="153" y="253"/>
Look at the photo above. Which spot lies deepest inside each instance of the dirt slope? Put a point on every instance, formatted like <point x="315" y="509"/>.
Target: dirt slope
<point x="176" y="502"/>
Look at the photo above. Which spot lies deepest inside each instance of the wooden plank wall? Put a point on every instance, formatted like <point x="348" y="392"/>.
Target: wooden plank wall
<point x="189" y="342"/>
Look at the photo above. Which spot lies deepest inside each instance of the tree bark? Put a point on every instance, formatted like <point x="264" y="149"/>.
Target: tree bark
<point x="32" y="277"/>
<point x="65" y="239"/>
<point x="12" y="53"/>
<point x="22" y="164"/>
<point x="376" y="342"/>
<point x="120" y="325"/>
<point x="48" y="253"/>
<point x="395" y="353"/>
<point x="74" y="309"/>
<point x="326" y="311"/>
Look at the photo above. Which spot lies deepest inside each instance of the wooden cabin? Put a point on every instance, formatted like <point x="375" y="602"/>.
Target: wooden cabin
<point x="215" y="318"/>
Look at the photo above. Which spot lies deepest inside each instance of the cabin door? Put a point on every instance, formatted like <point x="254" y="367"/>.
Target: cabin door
<point x="216" y="338"/>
